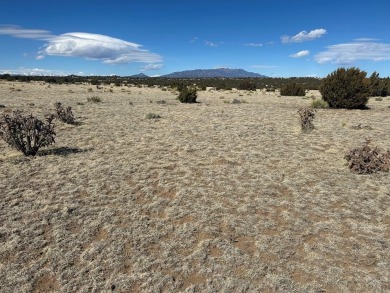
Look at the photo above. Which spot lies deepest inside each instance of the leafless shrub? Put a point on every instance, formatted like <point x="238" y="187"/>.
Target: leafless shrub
<point x="307" y="116"/>
<point x="65" y="115"/>
<point x="367" y="160"/>
<point x="26" y="133"/>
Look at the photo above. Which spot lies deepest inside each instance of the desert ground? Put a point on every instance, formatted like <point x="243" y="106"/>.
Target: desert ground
<point x="211" y="197"/>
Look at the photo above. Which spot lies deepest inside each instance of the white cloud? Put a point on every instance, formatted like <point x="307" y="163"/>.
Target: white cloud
<point x="85" y="45"/>
<point x="351" y="52"/>
<point x="254" y="45"/>
<point x="98" y="47"/>
<point x="152" y="67"/>
<point x="194" y="39"/>
<point x="300" y="54"/>
<point x="19" y="32"/>
<point x="304" y="36"/>
<point x="33" y="71"/>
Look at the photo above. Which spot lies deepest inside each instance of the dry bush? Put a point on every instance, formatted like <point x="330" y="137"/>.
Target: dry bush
<point x="27" y="133"/>
<point x="307" y="116"/>
<point x="368" y="160"/>
<point x="65" y="115"/>
<point x="188" y="95"/>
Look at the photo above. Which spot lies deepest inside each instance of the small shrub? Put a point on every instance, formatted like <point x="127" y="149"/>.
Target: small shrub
<point x="307" y="116"/>
<point x="90" y="90"/>
<point x="188" y="95"/>
<point x="368" y="160"/>
<point x="94" y="99"/>
<point x="346" y="88"/>
<point x="152" y="116"/>
<point x="319" y="104"/>
<point x="236" y="101"/>
<point x="2" y="106"/>
<point x="27" y="133"/>
<point x="378" y="99"/>
<point x="292" y="89"/>
<point x="65" y="115"/>
<point x="161" y="102"/>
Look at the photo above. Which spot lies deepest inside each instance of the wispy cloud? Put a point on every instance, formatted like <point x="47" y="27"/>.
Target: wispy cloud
<point x="349" y="53"/>
<point x="194" y="39"/>
<point x="254" y="44"/>
<point x="300" y="54"/>
<point x="149" y="67"/>
<point x="212" y="44"/>
<point x="19" y="32"/>
<point x="304" y="36"/>
<point x="85" y="45"/>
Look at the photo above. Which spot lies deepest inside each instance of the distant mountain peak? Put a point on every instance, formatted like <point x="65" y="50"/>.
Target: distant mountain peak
<point x="140" y="75"/>
<point x="221" y="72"/>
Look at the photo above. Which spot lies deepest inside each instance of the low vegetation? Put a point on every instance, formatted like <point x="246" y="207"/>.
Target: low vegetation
<point x="292" y="89"/>
<point x="188" y="94"/>
<point x="27" y="133"/>
<point x="64" y="114"/>
<point x="307" y="116"/>
<point x="367" y="159"/>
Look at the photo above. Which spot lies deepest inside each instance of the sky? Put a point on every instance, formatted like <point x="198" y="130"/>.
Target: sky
<point x="277" y="38"/>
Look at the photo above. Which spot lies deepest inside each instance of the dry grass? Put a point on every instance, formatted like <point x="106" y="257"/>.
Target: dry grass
<point x="210" y="198"/>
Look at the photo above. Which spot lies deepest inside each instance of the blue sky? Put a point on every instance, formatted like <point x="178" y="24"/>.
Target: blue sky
<point x="278" y="38"/>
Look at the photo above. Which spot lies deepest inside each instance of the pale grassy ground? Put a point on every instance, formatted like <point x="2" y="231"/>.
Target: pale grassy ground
<point x="212" y="197"/>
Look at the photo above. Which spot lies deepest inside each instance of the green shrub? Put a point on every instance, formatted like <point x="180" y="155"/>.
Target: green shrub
<point x="346" y="88"/>
<point x="292" y="89"/>
<point x="319" y="104"/>
<point x="247" y="86"/>
<point x="378" y="87"/>
<point x="27" y="133"/>
<point x="188" y="95"/>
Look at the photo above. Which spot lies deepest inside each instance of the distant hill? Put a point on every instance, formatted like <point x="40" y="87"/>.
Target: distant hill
<point x="140" y="75"/>
<point x="210" y="73"/>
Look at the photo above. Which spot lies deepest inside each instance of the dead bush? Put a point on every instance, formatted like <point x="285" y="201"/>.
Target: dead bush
<point x="307" y="116"/>
<point x="27" y="133"/>
<point x="367" y="159"/>
<point x="65" y="115"/>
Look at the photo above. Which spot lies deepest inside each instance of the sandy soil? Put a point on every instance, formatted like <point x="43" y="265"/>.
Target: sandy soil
<point x="211" y="197"/>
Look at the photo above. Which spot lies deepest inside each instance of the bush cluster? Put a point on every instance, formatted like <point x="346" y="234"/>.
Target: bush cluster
<point x="27" y="133"/>
<point x="247" y="86"/>
<point x="188" y="95"/>
<point x="346" y="88"/>
<point x="292" y="89"/>
<point x="378" y="87"/>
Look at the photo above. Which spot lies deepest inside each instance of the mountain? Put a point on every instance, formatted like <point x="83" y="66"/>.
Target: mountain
<point x="140" y="75"/>
<point x="210" y="73"/>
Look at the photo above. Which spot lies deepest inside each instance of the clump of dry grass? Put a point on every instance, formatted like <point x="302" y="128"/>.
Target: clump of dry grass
<point x="368" y="160"/>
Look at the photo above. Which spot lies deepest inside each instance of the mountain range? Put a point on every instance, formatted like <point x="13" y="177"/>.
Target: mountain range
<point x="209" y="73"/>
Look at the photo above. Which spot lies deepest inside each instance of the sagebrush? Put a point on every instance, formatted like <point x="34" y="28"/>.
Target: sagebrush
<point x="27" y="133"/>
<point x="188" y="95"/>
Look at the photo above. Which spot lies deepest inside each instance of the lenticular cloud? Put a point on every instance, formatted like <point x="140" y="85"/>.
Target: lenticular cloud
<point x="97" y="47"/>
